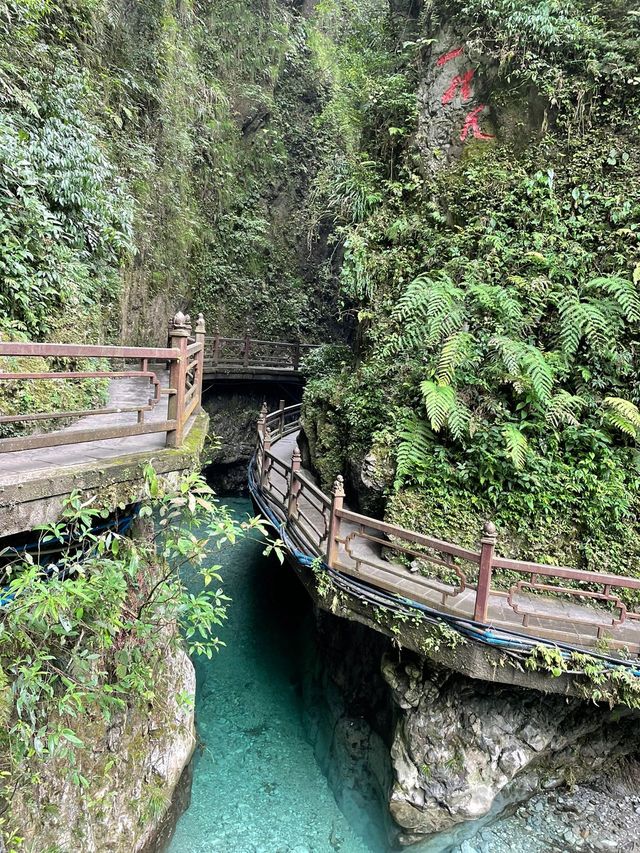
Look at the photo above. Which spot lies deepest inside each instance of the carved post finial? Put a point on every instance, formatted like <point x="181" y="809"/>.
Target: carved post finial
<point x="297" y="456"/>
<point x="179" y="320"/>
<point x="338" y="487"/>
<point x="200" y="325"/>
<point x="489" y="533"/>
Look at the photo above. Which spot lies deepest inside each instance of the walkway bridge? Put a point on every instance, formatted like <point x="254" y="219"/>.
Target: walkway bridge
<point x="252" y="359"/>
<point x="153" y="412"/>
<point x="400" y="581"/>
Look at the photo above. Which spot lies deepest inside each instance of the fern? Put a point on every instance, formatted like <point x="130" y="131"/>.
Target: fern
<point x="414" y="449"/>
<point x="573" y="319"/>
<point x="564" y="409"/>
<point x="593" y="319"/>
<point x="623" y="291"/>
<point x="623" y="415"/>
<point x="452" y="353"/>
<point x="458" y="420"/>
<point x="439" y="400"/>
<point x="496" y="300"/>
<point x="516" y="444"/>
<point x="445" y="409"/>
<point x="429" y="309"/>
<point x="522" y="358"/>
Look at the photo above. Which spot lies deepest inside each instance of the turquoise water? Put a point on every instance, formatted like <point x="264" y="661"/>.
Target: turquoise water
<point x="257" y="787"/>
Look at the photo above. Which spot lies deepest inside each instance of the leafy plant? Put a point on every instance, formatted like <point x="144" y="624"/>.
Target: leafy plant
<point x="87" y="635"/>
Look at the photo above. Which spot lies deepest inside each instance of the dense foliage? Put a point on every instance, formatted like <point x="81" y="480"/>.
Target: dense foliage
<point x="498" y="296"/>
<point x="155" y="157"/>
<point x="87" y="635"/>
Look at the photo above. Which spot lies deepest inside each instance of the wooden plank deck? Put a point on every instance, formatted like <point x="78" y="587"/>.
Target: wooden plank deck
<point x="554" y="619"/>
<point x="23" y="465"/>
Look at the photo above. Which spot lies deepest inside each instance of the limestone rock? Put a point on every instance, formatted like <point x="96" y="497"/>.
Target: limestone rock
<point x="134" y="766"/>
<point x="463" y="751"/>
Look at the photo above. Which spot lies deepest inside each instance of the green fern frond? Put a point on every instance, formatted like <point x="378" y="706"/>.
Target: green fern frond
<point x="623" y="415"/>
<point x="573" y="319"/>
<point x="594" y="320"/>
<point x="625" y="293"/>
<point x="564" y="409"/>
<point x="516" y="444"/>
<point x="414" y="449"/>
<point x="445" y="409"/>
<point x="598" y="327"/>
<point x="451" y="355"/>
<point x="526" y="359"/>
<point x="511" y="352"/>
<point x="439" y="400"/>
<point x="497" y="301"/>
<point x="459" y="420"/>
<point x="428" y="310"/>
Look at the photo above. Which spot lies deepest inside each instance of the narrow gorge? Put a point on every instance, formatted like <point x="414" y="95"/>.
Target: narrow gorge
<point x="319" y="424"/>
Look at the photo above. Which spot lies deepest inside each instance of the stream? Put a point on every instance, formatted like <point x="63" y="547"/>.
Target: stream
<point x="257" y="786"/>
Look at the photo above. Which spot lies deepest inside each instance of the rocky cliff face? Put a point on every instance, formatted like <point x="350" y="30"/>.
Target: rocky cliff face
<point x="454" y="761"/>
<point x="233" y="415"/>
<point x="464" y="751"/>
<point x="132" y="766"/>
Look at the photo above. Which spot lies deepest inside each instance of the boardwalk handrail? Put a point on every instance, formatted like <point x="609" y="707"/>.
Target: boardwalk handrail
<point x="437" y="573"/>
<point x="246" y="352"/>
<point x="185" y="356"/>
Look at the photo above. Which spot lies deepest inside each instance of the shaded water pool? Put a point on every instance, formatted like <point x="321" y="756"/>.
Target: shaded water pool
<point x="257" y="785"/>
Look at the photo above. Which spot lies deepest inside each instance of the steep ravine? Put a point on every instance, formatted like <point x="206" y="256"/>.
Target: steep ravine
<point x="304" y="710"/>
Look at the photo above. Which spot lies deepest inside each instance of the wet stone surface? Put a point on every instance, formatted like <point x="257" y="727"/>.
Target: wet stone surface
<point x="583" y="819"/>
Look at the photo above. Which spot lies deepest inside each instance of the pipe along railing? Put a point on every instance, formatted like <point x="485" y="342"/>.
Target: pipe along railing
<point x="184" y="356"/>
<point x="523" y="601"/>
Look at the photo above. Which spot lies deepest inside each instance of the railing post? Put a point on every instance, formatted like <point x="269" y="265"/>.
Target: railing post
<point x="178" y="339"/>
<point x="201" y="331"/>
<point x="281" y="418"/>
<point x="334" y="521"/>
<point x="266" y="445"/>
<point x="483" y="590"/>
<point x="247" y="347"/>
<point x="216" y="346"/>
<point x="296" y="355"/>
<point x="262" y="419"/>
<point x="294" y="485"/>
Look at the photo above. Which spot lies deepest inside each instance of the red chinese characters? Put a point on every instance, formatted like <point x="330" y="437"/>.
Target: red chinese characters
<point x="462" y="83"/>
<point x="472" y="124"/>
<point x="447" y="57"/>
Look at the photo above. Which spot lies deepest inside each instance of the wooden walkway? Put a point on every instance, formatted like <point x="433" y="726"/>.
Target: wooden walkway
<point x="154" y="394"/>
<point x="254" y="359"/>
<point x="549" y="603"/>
<point x="24" y="465"/>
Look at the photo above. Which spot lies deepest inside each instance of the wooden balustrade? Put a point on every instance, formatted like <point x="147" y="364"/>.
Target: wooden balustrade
<point x="247" y="352"/>
<point x="183" y="389"/>
<point x="549" y="602"/>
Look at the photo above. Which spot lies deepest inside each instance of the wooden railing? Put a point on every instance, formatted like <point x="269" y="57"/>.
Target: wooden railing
<point x="183" y="388"/>
<point x="248" y="352"/>
<point x="550" y="602"/>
